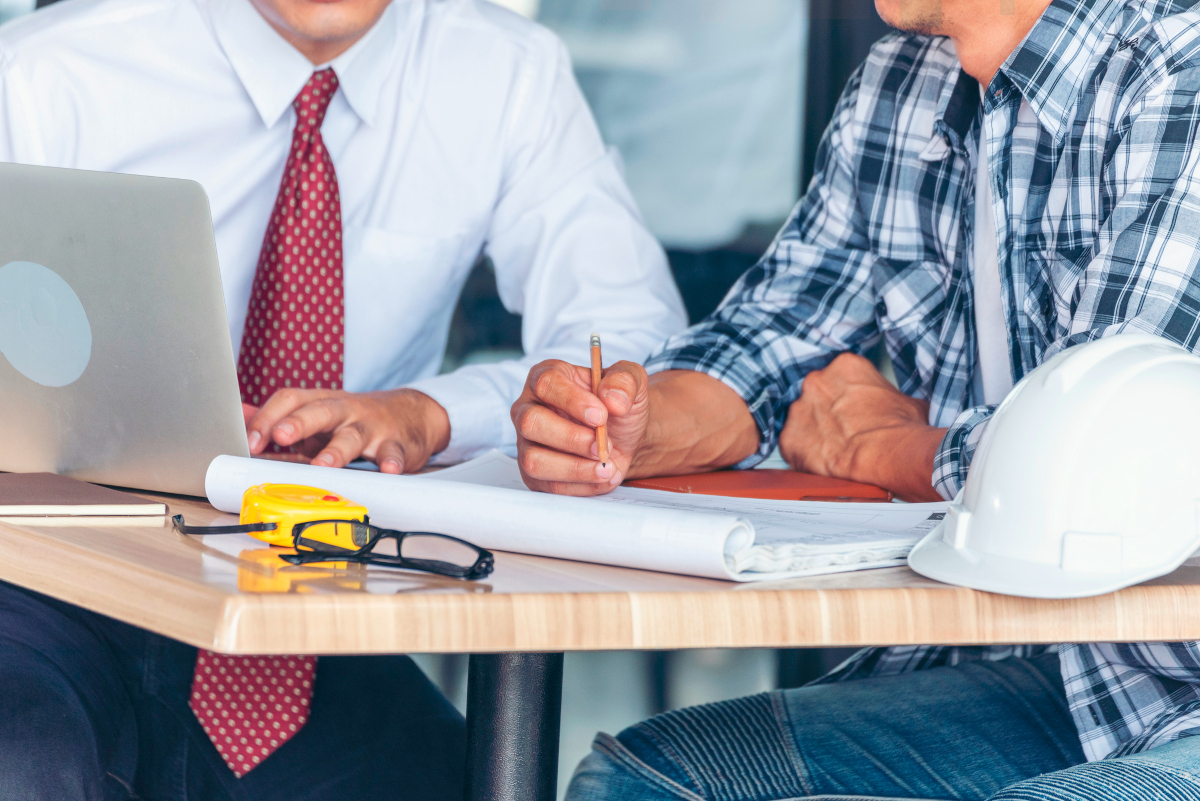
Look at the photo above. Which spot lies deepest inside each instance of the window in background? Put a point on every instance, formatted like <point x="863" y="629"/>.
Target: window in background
<point x="703" y="100"/>
<point x="11" y="9"/>
<point x="526" y="8"/>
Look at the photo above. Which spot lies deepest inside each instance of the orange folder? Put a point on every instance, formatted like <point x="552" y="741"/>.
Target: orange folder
<point x="775" y="485"/>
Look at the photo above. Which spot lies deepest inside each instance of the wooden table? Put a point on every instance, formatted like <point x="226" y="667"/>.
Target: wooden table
<point x="229" y="594"/>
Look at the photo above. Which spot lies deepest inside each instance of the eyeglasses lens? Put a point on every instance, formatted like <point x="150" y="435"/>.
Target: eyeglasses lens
<point x="431" y="548"/>
<point x="334" y="536"/>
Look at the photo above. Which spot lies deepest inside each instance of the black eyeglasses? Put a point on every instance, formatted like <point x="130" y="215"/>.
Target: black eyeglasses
<point x="415" y="550"/>
<point x="354" y="541"/>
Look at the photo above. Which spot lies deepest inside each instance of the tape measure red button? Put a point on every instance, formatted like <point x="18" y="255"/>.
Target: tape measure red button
<point x="331" y="498"/>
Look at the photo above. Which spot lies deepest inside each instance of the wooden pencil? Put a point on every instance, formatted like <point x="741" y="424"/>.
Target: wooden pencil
<point x="602" y="431"/>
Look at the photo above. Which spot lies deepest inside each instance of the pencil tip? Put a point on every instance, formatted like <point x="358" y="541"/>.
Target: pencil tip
<point x="604" y="464"/>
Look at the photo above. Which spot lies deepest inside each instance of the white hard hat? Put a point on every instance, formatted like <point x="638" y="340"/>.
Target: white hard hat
<point x="1087" y="478"/>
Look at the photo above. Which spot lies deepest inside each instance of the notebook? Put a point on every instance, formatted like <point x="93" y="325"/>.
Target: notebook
<point x="777" y="485"/>
<point x="47" y="494"/>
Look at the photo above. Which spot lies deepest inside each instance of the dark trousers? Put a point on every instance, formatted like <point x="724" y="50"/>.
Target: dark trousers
<point x="94" y="709"/>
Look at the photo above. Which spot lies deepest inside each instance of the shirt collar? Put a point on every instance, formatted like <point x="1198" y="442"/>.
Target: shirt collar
<point x="958" y="105"/>
<point x="273" y="72"/>
<point x="1050" y="65"/>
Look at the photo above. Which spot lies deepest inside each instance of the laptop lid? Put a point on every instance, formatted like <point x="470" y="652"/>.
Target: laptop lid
<point x="117" y="365"/>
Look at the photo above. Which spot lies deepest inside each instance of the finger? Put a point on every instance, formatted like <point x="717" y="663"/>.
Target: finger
<point x="311" y="446"/>
<point x="544" y="464"/>
<point x="556" y="384"/>
<point x="344" y="447"/>
<point x="248" y="413"/>
<point x="298" y="458"/>
<point x="622" y="384"/>
<point x="275" y="409"/>
<point x="575" y="490"/>
<point x="797" y="457"/>
<point x="798" y="432"/>
<point x="317" y="416"/>
<point x="544" y="426"/>
<point x="391" y="458"/>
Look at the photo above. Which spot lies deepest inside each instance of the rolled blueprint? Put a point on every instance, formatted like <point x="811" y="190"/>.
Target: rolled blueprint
<point x="670" y="540"/>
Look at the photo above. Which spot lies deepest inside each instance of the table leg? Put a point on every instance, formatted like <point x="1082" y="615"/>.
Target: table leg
<point x="514" y="703"/>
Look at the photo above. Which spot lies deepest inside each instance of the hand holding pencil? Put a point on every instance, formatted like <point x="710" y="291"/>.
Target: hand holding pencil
<point x="580" y="427"/>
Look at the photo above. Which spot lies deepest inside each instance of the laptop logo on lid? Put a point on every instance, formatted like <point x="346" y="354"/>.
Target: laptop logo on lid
<point x="44" y="330"/>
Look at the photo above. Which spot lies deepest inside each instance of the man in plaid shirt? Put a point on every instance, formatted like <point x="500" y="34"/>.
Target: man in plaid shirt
<point x="1001" y="181"/>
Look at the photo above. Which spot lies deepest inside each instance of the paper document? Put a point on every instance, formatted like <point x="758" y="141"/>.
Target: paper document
<point x="485" y="502"/>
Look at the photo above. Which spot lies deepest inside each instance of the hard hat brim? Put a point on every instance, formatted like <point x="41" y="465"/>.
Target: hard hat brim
<point x="937" y="559"/>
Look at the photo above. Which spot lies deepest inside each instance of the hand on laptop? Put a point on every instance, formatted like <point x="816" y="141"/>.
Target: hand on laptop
<point x="399" y="429"/>
<point x="556" y="419"/>
<point x="851" y="423"/>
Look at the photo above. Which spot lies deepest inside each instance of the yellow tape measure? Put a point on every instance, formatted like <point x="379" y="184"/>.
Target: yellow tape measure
<point x="285" y="505"/>
<point x="325" y="527"/>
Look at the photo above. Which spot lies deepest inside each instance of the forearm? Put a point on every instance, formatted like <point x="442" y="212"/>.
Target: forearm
<point x="696" y="424"/>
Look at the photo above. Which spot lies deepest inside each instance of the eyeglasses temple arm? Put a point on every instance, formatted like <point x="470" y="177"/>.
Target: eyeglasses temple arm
<point x="249" y="528"/>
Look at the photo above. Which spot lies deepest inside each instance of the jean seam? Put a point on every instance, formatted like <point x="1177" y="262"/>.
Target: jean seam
<point x="1178" y="773"/>
<point x="799" y="763"/>
<point x="133" y="796"/>
<point x="843" y="797"/>
<point x="669" y="751"/>
<point x="613" y="747"/>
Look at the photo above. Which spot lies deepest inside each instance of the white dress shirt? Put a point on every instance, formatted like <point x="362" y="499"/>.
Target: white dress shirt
<point x="458" y="129"/>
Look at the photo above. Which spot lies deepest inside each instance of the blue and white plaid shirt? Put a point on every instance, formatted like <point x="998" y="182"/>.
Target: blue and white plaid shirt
<point x="1094" y="153"/>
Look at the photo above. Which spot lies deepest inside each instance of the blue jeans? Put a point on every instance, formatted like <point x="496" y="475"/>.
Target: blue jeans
<point x="980" y="730"/>
<point x="94" y="710"/>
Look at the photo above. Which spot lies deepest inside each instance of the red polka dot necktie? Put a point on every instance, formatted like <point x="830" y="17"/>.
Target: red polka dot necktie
<point x="251" y="705"/>
<point x="293" y="334"/>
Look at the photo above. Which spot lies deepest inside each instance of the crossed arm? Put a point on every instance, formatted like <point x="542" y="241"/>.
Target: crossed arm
<point x="849" y="422"/>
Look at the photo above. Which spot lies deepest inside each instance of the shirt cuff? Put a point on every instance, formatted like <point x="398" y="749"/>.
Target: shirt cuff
<point x="955" y="454"/>
<point x="479" y="418"/>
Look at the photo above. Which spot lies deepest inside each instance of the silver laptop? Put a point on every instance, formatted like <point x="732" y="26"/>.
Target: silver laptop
<point x="115" y="360"/>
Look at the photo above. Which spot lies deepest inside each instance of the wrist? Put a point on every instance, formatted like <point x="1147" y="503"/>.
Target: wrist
<point x="422" y="412"/>
<point x="900" y="459"/>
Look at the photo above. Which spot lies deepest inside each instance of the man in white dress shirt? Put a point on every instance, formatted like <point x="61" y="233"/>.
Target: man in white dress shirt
<point x="457" y="130"/>
<point x="359" y="156"/>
